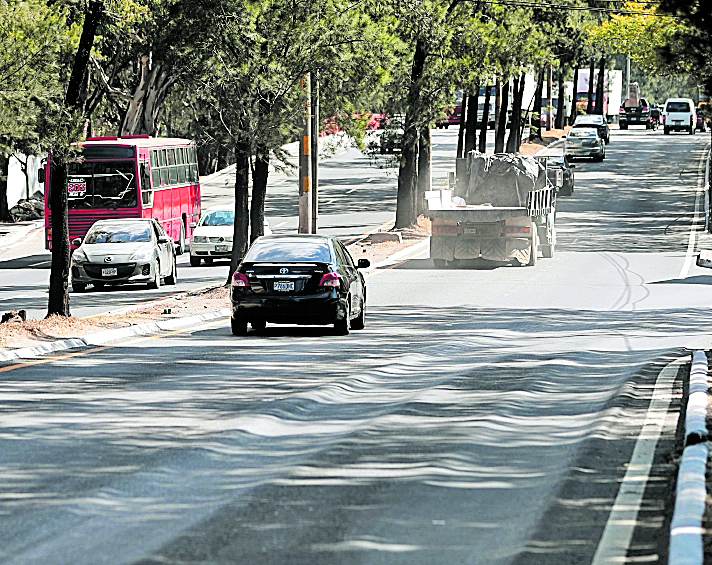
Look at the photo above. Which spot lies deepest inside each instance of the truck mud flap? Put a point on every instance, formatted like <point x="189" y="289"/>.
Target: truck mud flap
<point x="467" y="248"/>
<point x="442" y="248"/>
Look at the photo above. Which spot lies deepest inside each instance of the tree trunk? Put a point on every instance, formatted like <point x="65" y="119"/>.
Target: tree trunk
<point x="408" y="171"/>
<point x="485" y="119"/>
<point x="240" y="227"/>
<point x="574" y="107"/>
<point x="424" y="172"/>
<point x="502" y="124"/>
<point x="591" y="70"/>
<point x="535" y="131"/>
<point x="259" y="193"/>
<point x="560" y="114"/>
<point x="58" y="302"/>
<point x="599" y="86"/>
<point x="4" y="168"/>
<point x="463" y="122"/>
<point x="142" y="113"/>
<point x="497" y="102"/>
<point x="512" y="144"/>
<point x="471" y="127"/>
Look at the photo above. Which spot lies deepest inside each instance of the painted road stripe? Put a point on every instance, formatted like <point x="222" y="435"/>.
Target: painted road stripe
<point x="701" y="188"/>
<point x="618" y="532"/>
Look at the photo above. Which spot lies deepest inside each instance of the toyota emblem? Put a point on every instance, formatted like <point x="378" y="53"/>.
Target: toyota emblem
<point x="108" y="259"/>
<point x="283" y="271"/>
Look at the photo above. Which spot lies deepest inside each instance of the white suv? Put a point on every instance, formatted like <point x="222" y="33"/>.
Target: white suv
<point x="679" y="115"/>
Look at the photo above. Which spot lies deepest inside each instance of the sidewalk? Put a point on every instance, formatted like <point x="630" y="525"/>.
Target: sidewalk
<point x="12" y="234"/>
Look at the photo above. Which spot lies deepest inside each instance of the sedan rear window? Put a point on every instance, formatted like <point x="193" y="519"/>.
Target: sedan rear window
<point x="280" y="250"/>
<point x="119" y="233"/>
<point x="580" y="132"/>
<point x="678" y="107"/>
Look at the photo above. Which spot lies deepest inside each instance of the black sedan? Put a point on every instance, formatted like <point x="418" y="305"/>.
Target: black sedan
<point x="298" y="279"/>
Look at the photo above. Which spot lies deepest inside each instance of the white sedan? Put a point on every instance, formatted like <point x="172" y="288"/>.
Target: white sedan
<point x="212" y="237"/>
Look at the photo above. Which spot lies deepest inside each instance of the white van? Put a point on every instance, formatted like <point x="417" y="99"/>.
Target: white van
<point x="679" y="115"/>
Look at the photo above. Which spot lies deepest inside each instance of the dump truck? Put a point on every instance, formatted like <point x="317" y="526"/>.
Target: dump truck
<point x="497" y="207"/>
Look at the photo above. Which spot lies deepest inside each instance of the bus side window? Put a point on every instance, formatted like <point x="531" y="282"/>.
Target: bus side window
<point x="146" y="189"/>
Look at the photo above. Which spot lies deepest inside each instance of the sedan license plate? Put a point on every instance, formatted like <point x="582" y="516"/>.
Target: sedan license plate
<point x="221" y="248"/>
<point x="112" y="272"/>
<point x="283" y="286"/>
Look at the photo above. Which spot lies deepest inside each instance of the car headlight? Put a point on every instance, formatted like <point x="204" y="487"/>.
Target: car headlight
<point x="200" y="239"/>
<point x="142" y="255"/>
<point x="79" y="256"/>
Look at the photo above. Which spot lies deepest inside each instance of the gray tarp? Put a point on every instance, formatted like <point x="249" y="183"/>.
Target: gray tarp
<point x="502" y="180"/>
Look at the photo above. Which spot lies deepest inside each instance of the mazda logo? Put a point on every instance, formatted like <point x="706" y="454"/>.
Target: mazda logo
<point x="108" y="259"/>
<point x="283" y="271"/>
<point x="221" y="239"/>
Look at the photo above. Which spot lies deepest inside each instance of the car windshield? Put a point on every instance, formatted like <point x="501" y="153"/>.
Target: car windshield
<point x="678" y="107"/>
<point x="101" y="184"/>
<point x="588" y="122"/>
<point x="580" y="132"/>
<point x="218" y="218"/>
<point x="114" y="233"/>
<point x="282" y="250"/>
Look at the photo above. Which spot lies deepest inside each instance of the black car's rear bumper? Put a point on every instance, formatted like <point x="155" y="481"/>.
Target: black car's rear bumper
<point x="323" y="308"/>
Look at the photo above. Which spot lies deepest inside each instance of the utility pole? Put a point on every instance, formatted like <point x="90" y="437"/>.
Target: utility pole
<point x="305" y="172"/>
<point x="627" y="76"/>
<point x="315" y="151"/>
<point x="549" y="98"/>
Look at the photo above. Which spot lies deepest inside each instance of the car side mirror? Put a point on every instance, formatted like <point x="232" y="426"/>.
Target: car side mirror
<point x="363" y="264"/>
<point x="192" y="225"/>
<point x="164" y="239"/>
<point x="77" y="241"/>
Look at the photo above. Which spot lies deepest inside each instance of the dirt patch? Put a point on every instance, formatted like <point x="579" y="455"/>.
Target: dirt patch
<point x="377" y="252"/>
<point x="547" y="138"/>
<point x="17" y="334"/>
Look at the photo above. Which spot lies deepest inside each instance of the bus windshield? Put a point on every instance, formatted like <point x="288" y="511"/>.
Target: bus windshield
<point x="102" y="184"/>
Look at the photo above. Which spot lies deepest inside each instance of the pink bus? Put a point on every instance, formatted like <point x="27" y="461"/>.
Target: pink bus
<point x="133" y="176"/>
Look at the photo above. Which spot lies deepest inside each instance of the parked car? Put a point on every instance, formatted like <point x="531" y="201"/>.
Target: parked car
<point x="679" y="115"/>
<point x="391" y="139"/>
<point x="584" y="142"/>
<point x="561" y="163"/>
<point x="594" y="121"/>
<point x="212" y="237"/>
<point x="298" y="279"/>
<point x="122" y="251"/>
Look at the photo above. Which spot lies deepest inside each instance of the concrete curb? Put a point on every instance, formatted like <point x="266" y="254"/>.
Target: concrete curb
<point x="696" y="414"/>
<point x="691" y="494"/>
<point x="9" y="240"/>
<point x="686" y="527"/>
<point x="112" y="336"/>
<point x="401" y="255"/>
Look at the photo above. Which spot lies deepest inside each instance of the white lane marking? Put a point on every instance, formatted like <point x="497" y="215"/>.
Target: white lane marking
<point x="351" y="190"/>
<point x="701" y="188"/>
<point x="618" y="532"/>
<point x="331" y="201"/>
<point x="40" y="263"/>
<point x="279" y="225"/>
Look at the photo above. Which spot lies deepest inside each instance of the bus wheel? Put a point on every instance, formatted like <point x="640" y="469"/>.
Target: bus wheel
<point x="78" y="287"/>
<point x="156" y="282"/>
<point x="194" y="261"/>
<point x="180" y="248"/>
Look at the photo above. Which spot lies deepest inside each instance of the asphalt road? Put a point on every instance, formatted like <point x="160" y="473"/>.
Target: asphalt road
<point x="486" y="415"/>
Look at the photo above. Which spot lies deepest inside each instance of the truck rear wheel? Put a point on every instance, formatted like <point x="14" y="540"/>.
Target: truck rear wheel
<point x="547" y="251"/>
